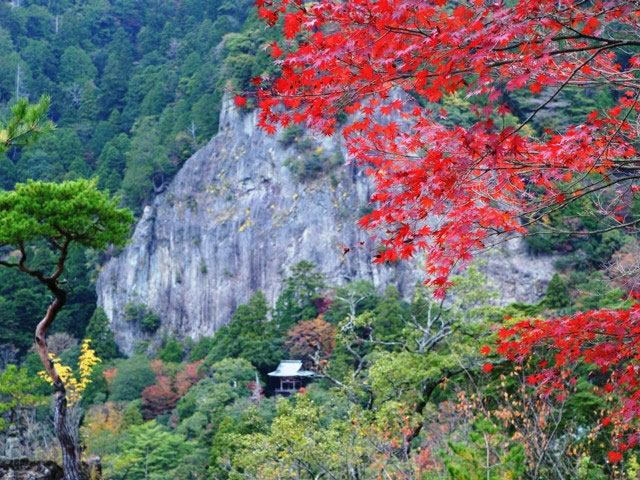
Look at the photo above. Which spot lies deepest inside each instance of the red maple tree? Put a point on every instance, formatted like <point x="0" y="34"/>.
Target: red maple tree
<point x="163" y="396"/>
<point x="375" y="70"/>
<point x="312" y="341"/>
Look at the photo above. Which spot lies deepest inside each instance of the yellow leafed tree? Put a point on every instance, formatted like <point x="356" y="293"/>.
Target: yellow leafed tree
<point x="76" y="382"/>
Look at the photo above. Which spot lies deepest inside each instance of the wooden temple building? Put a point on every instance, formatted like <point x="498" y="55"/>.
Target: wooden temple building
<point x="292" y="377"/>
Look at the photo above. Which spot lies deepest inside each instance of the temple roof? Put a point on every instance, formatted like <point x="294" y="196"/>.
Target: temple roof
<point x="290" y="368"/>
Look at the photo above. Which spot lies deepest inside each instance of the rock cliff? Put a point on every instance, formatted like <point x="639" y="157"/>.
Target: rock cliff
<point x="235" y="218"/>
<point x="24" y="469"/>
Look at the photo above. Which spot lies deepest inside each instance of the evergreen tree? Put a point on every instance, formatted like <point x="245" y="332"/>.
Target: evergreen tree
<point x="75" y="67"/>
<point x="390" y="315"/>
<point x="112" y="161"/>
<point x="101" y="335"/>
<point x="557" y="295"/>
<point x="301" y="296"/>
<point x="59" y="215"/>
<point x="250" y="335"/>
<point x="150" y="451"/>
<point x="201" y="349"/>
<point x="172" y="351"/>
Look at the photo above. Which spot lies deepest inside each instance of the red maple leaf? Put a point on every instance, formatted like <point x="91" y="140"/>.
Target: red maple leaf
<point x="614" y="457"/>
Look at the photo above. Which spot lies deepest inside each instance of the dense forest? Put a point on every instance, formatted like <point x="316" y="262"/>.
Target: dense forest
<point x="136" y="89"/>
<point x="402" y="387"/>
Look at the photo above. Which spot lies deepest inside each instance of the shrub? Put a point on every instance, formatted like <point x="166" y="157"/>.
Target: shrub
<point x="291" y="134"/>
<point x="143" y="316"/>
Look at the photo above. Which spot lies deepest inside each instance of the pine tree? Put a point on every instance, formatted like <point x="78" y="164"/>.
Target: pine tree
<point x="557" y="295"/>
<point x="62" y="215"/>
<point x="301" y="296"/>
<point x="250" y="335"/>
<point x="101" y="336"/>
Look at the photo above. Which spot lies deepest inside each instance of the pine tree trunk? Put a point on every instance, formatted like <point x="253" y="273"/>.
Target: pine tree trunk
<point x="70" y="462"/>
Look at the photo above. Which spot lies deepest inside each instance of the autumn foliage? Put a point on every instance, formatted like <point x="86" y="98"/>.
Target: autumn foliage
<point x="76" y="382"/>
<point x="374" y="72"/>
<point x="608" y="340"/>
<point x="312" y="341"/>
<point x="449" y="190"/>
<point x="163" y="396"/>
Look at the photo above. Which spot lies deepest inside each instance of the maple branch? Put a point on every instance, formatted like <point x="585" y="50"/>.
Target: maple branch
<point x="594" y="187"/>
<point x="553" y="230"/>
<point x="559" y="89"/>
<point x="615" y="133"/>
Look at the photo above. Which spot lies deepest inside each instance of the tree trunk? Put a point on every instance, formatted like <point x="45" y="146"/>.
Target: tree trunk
<point x="70" y="462"/>
<point x="70" y="459"/>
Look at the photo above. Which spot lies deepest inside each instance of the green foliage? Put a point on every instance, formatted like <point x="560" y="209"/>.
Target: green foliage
<point x="291" y="135"/>
<point x="296" y="438"/>
<point x="595" y="292"/>
<point x="150" y="323"/>
<point x="70" y="211"/>
<point x="75" y="317"/>
<point x="235" y="372"/>
<point x="557" y="295"/>
<point x="75" y="66"/>
<point x="27" y="123"/>
<point x="520" y="310"/>
<point x="142" y="316"/>
<point x="201" y="349"/>
<point x="134" y="374"/>
<point x="399" y="369"/>
<point x="390" y="315"/>
<point x="206" y="403"/>
<point x="40" y="220"/>
<point x="311" y="162"/>
<point x="101" y="336"/>
<point x="149" y="451"/>
<point x="148" y="163"/>
<point x="355" y="297"/>
<point x="172" y="351"/>
<point x="136" y="89"/>
<point x="306" y="441"/>
<point x="18" y="395"/>
<point x="110" y="67"/>
<point x="97" y="390"/>
<point x="468" y="460"/>
<point x="132" y="414"/>
<point x="23" y="301"/>
<point x="250" y="335"/>
<point x="584" y="406"/>
<point x="223" y="443"/>
<point x="300" y="297"/>
<point x="582" y="250"/>
<point x="142" y="347"/>
<point x="112" y="160"/>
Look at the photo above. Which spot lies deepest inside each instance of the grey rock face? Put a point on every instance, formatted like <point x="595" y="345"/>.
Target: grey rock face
<point x="233" y="221"/>
<point x="24" y="469"/>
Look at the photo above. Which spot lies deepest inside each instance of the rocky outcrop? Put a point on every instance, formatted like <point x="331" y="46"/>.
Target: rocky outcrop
<point x="235" y="219"/>
<point x="24" y="469"/>
<point x="27" y="469"/>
